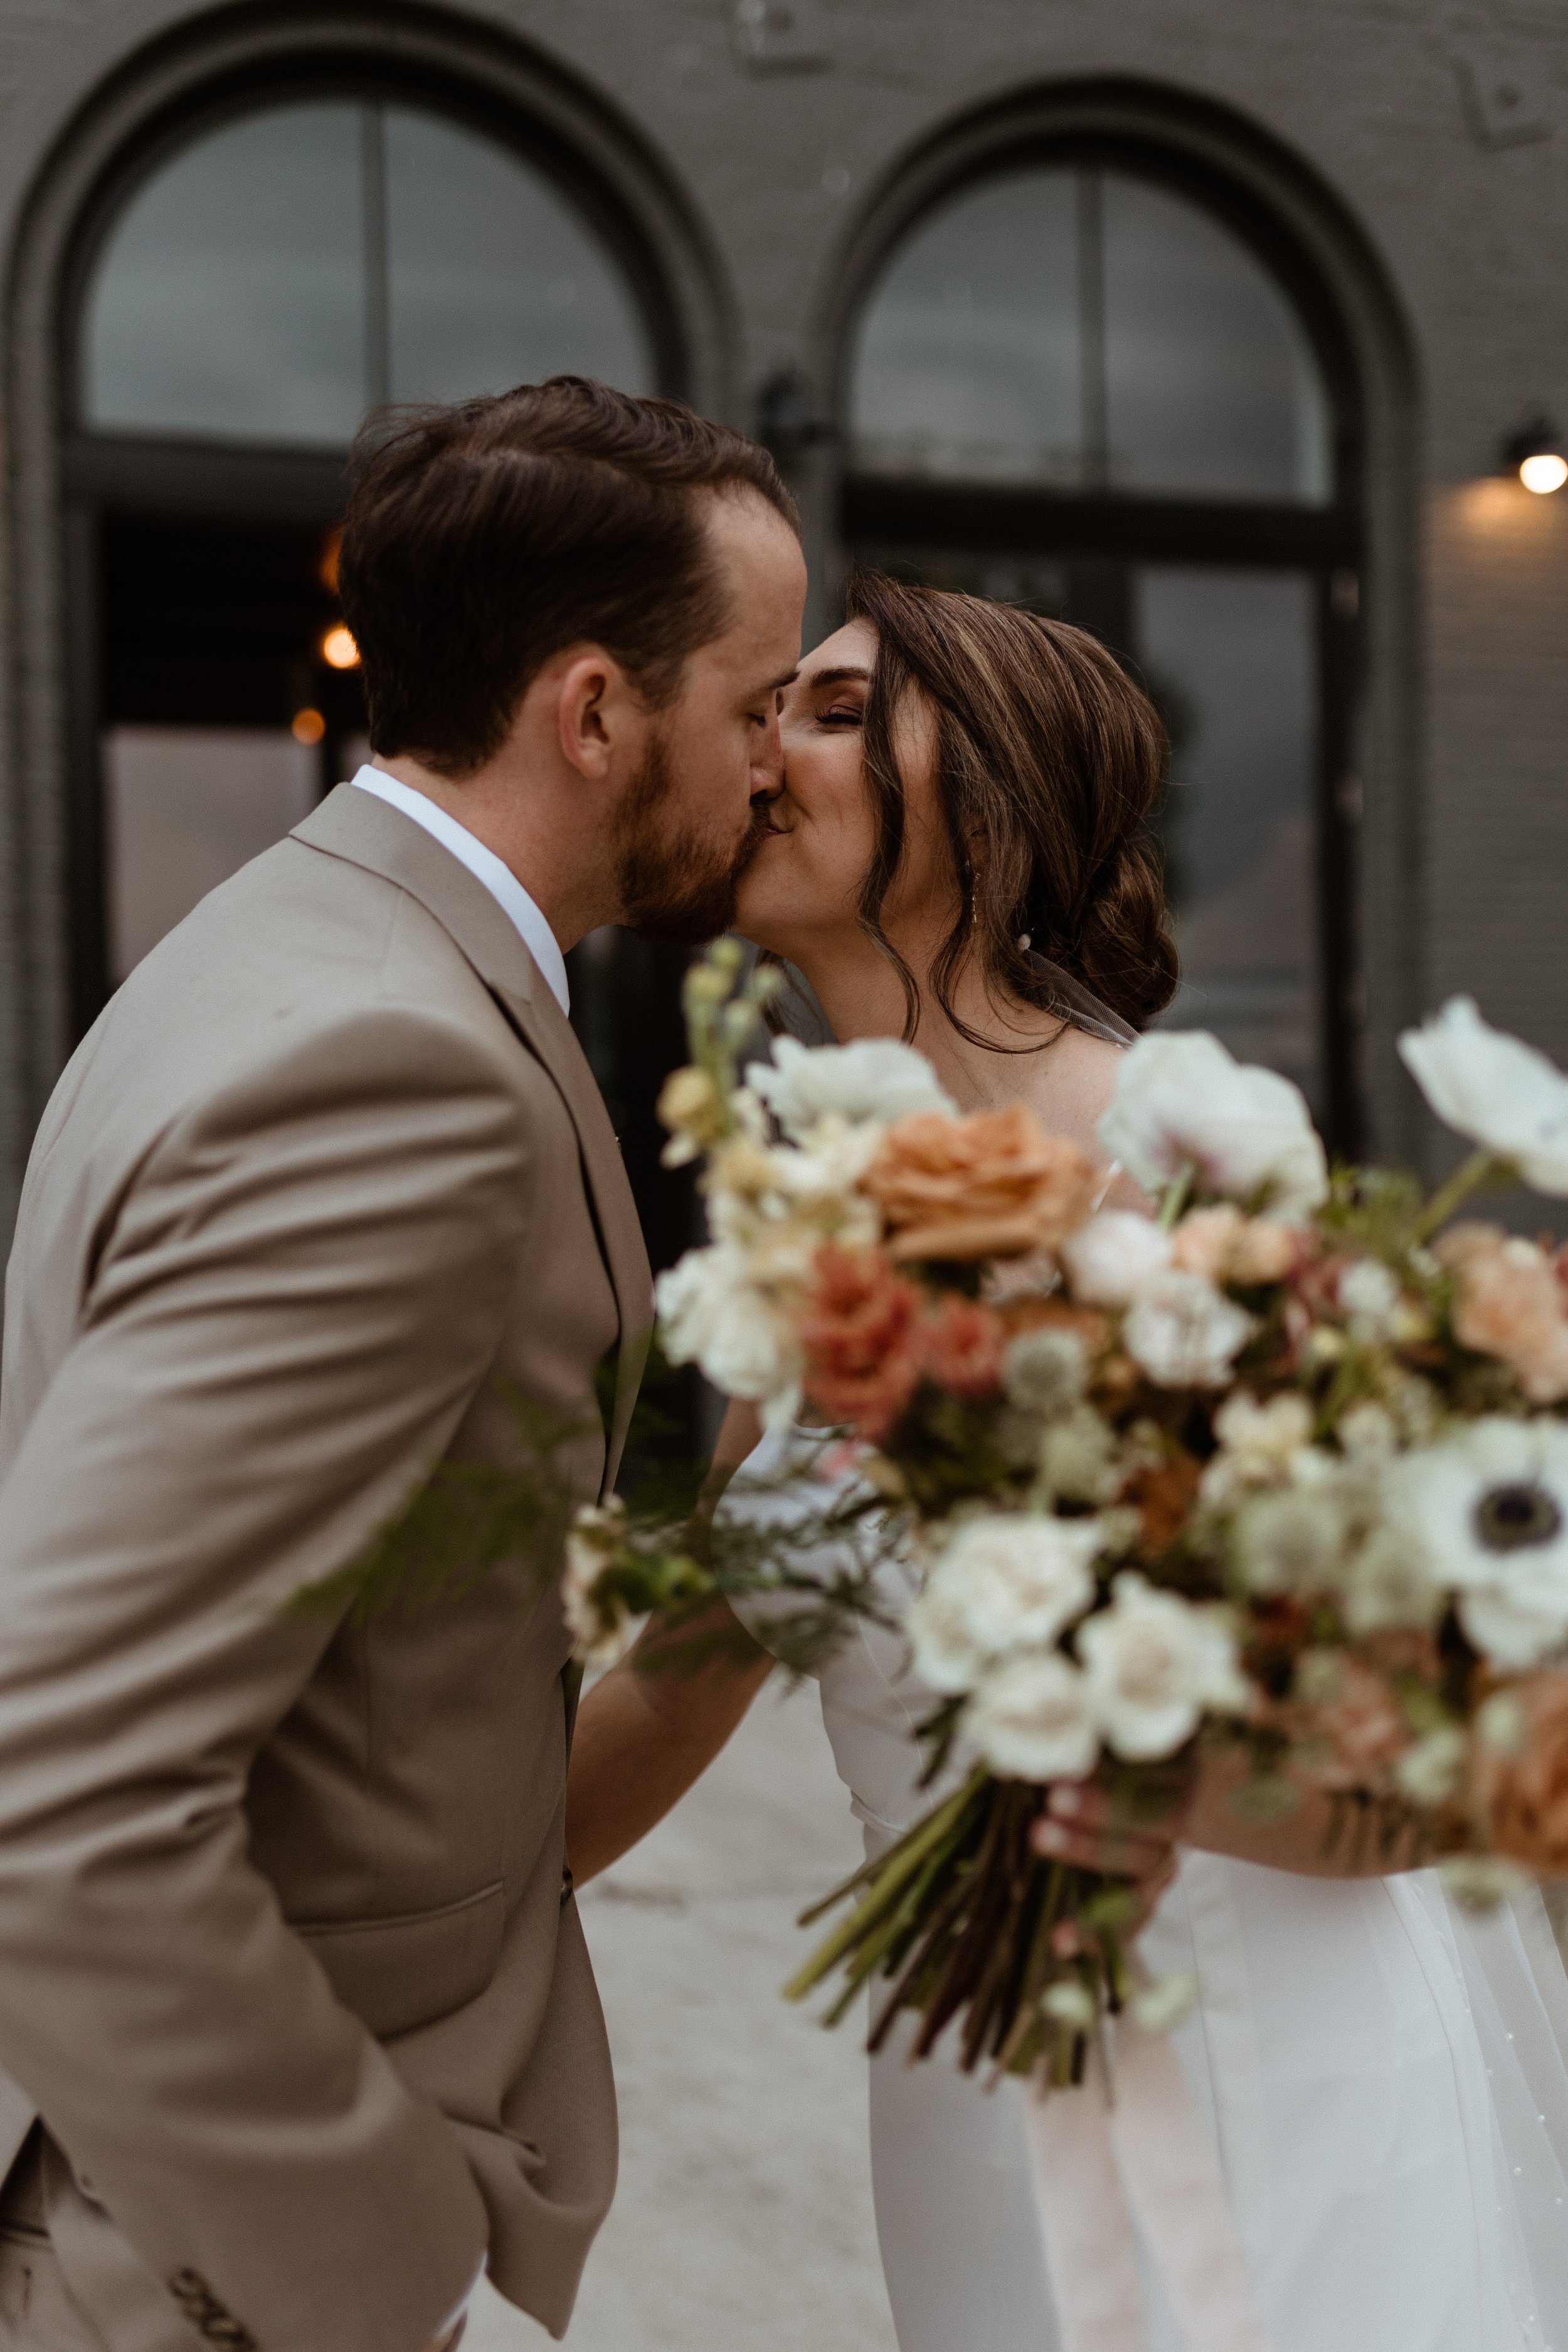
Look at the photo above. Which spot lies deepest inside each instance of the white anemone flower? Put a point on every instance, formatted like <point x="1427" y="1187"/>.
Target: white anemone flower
<point x="872" y="1078"/>
<point x="1153" y="1664"/>
<point x="1031" y="1720"/>
<point x="713" y="1314"/>
<point x="1185" y="1332"/>
<point x="1183" y="1102"/>
<point x="1488" y="1510"/>
<point x="1493" y="1088"/>
<point x="1002" y="1583"/>
<point x="1109" y="1260"/>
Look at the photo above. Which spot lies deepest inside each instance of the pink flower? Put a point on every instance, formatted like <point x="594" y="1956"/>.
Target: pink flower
<point x="1510" y="1302"/>
<point x="1228" y="1247"/>
<point x="859" y="1331"/>
<point x="962" y="1346"/>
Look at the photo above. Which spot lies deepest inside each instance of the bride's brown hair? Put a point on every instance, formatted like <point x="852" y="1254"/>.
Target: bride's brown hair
<point x="1048" y="761"/>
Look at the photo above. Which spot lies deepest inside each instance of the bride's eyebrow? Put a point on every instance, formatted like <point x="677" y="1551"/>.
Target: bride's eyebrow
<point x="838" y="676"/>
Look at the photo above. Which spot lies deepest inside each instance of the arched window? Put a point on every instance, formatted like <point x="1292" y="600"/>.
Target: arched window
<point x="279" y="274"/>
<point x="1079" y="384"/>
<point x="248" y="291"/>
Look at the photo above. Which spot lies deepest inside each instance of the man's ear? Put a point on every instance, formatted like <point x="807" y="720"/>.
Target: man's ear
<point x="599" y="716"/>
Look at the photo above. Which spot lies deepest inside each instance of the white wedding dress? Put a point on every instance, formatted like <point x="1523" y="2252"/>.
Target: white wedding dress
<point x="1382" y="2078"/>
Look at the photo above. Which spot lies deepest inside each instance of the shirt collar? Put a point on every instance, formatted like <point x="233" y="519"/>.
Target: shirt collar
<point x="485" y="867"/>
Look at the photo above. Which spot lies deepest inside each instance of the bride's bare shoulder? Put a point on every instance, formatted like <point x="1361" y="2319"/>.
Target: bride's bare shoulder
<point x="1076" y="1078"/>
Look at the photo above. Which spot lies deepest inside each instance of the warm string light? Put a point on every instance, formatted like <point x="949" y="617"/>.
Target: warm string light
<point x="339" y="650"/>
<point x="307" y="726"/>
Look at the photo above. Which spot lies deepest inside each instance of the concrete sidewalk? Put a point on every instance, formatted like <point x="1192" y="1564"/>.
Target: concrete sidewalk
<point x="743" y="2219"/>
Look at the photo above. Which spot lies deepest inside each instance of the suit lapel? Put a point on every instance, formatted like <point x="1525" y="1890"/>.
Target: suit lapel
<point x="368" y="832"/>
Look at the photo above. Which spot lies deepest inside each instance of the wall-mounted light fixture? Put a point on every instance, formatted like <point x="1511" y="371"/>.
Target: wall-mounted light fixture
<point x="1535" y="453"/>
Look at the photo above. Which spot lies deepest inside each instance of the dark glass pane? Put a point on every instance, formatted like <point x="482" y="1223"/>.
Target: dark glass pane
<point x="185" y="807"/>
<point x="228" y="301"/>
<point x="1230" y="657"/>
<point x="1211" y="387"/>
<point x="967" y="363"/>
<point x="495" y="279"/>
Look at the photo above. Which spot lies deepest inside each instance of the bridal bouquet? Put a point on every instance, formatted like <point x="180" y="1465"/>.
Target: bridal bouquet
<point x="1278" y="1475"/>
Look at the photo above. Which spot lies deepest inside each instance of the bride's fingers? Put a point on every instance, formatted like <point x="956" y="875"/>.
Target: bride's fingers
<point x="1122" y="1854"/>
<point x="1095" y="1810"/>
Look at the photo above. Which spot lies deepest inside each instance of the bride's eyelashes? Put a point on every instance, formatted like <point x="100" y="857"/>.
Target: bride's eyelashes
<point x="840" y="714"/>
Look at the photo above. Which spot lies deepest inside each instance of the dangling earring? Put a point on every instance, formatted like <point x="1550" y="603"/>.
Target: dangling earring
<point x="1021" y="943"/>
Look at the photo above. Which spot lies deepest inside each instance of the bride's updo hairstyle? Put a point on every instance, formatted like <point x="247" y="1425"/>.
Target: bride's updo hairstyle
<point x="1048" y="761"/>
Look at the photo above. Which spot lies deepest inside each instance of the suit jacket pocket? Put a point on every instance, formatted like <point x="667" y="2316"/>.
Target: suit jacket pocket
<point x="408" y="1970"/>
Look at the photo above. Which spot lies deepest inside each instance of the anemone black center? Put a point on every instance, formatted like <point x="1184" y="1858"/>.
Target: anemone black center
<point x="1512" y="1518"/>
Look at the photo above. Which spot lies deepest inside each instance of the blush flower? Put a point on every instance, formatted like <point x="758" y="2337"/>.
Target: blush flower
<point x="1228" y="1247"/>
<point x="961" y="1346"/>
<point x="1508" y="1302"/>
<point x="857" y="1331"/>
<point x="993" y="1184"/>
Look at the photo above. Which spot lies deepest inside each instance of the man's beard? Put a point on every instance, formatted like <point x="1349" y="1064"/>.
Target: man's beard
<point x="674" y="884"/>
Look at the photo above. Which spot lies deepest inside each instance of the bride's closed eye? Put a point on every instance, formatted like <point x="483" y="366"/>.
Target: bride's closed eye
<point x="841" y="714"/>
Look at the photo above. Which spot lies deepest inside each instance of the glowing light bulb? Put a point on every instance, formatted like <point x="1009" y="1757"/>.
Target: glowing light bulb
<point x="307" y="726"/>
<point x="339" y="650"/>
<point x="1544" y="472"/>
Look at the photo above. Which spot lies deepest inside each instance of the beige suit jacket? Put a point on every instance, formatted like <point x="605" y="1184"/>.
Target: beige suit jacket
<point x="286" y="1965"/>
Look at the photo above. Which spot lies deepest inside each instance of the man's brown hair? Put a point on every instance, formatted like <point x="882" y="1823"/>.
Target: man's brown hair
<point x="482" y="539"/>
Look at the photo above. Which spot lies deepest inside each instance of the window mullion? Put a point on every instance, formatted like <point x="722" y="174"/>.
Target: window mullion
<point x="377" y="306"/>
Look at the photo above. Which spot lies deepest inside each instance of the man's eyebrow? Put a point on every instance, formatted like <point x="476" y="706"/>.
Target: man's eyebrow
<point x="839" y="677"/>
<point x="789" y="677"/>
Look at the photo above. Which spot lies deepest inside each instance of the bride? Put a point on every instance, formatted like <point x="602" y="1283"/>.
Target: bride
<point x="957" y="855"/>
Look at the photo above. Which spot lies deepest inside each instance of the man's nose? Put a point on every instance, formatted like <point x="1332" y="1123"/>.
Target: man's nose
<point x="767" y="764"/>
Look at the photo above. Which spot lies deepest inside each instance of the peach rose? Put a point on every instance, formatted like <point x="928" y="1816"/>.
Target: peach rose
<point x="960" y="1347"/>
<point x="993" y="1184"/>
<point x="1526" y="1795"/>
<point x="1229" y="1247"/>
<point x="859" y="1331"/>
<point x="1508" y="1302"/>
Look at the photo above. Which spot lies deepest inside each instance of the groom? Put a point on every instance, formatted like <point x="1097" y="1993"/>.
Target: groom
<point x="297" y="2025"/>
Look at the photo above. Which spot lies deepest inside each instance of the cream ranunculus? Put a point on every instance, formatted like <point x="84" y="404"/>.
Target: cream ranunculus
<point x="1494" y="1089"/>
<point x="713" y="1314"/>
<point x="1002" y="1582"/>
<point x="1488" y="1510"/>
<point x="1153" y="1664"/>
<point x="601" y="1630"/>
<point x="1185" y="1332"/>
<point x="1183" y="1102"/>
<point x="1031" y="1720"/>
<point x="872" y="1078"/>
<point x="1109" y="1260"/>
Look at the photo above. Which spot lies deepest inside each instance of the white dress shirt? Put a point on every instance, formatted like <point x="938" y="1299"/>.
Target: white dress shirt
<point x="485" y="867"/>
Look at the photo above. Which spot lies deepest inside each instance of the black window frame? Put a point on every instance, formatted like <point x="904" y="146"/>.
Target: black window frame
<point x="903" y="517"/>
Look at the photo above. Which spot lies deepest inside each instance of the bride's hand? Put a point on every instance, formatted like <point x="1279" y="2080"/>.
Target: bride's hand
<point x="1084" y="1827"/>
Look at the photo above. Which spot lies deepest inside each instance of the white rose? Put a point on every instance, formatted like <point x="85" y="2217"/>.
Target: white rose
<point x="1002" y="1583"/>
<point x="1290" y="1541"/>
<point x="1154" y="1663"/>
<point x="713" y="1314"/>
<point x="1494" y="1089"/>
<point x="1185" y="1332"/>
<point x="1030" y="1719"/>
<point x="1369" y="1293"/>
<point x="1110" y="1259"/>
<point x="873" y="1078"/>
<point x="1182" y="1102"/>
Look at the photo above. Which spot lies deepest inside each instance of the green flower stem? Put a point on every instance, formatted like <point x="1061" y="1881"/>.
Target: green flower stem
<point x="887" y="1886"/>
<point x="1178" y="1191"/>
<point x="1480" y="1169"/>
